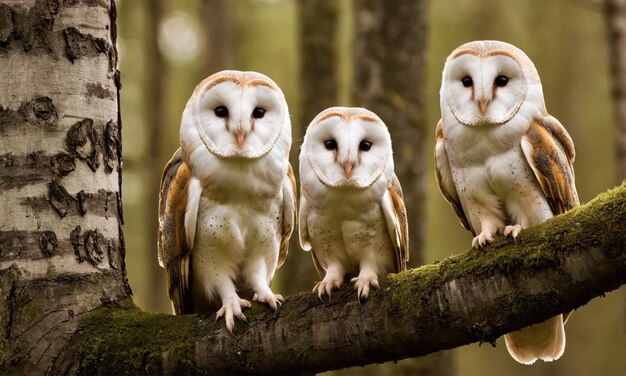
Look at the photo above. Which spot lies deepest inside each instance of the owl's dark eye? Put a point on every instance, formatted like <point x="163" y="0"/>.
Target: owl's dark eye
<point x="330" y="144"/>
<point x="258" y="112"/>
<point x="365" y="145"/>
<point x="467" y="81"/>
<point x="221" y="111"/>
<point x="501" y="81"/>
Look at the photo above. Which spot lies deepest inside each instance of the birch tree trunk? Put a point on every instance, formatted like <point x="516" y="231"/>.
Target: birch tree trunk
<point x="61" y="243"/>
<point x="615" y="13"/>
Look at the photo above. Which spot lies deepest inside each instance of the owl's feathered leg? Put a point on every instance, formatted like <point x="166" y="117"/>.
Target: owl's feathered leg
<point x="257" y="277"/>
<point x="332" y="279"/>
<point x="232" y="304"/>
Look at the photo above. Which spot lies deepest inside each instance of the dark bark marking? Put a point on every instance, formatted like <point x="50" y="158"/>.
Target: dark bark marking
<point x="62" y="164"/>
<point x="77" y="243"/>
<point x="39" y="110"/>
<point x="6" y="24"/>
<point x="113" y="255"/>
<point x="98" y="91"/>
<point x="96" y="204"/>
<point x="18" y="244"/>
<point x="33" y="27"/>
<point x="81" y="197"/>
<point x="91" y="246"/>
<point x="83" y="142"/>
<point x="8" y="117"/>
<point x="93" y="241"/>
<point x="78" y="45"/>
<point x="60" y="199"/>
<point x="48" y="242"/>
<point x="111" y="147"/>
<point x="37" y="167"/>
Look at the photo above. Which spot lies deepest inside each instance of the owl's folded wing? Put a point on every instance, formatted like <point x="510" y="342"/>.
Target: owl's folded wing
<point x="177" y="222"/>
<point x="290" y="208"/>
<point x="549" y="151"/>
<point x="395" y="215"/>
<point x="444" y="178"/>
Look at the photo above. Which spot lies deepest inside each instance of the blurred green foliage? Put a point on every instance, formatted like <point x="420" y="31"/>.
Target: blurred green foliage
<point x="565" y="39"/>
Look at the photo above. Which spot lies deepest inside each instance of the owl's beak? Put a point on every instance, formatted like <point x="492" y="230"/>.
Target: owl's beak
<point x="240" y="137"/>
<point x="483" y="103"/>
<point x="347" y="168"/>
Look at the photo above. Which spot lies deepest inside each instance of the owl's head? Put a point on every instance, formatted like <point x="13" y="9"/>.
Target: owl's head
<point x="347" y="148"/>
<point x="235" y="115"/>
<point x="487" y="82"/>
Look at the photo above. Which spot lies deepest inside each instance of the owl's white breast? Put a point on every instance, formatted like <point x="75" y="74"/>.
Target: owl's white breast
<point x="492" y="177"/>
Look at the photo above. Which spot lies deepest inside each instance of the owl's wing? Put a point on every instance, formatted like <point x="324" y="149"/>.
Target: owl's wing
<point x="177" y="228"/>
<point x="290" y="208"/>
<point x="549" y="151"/>
<point x="303" y="230"/>
<point x="303" y="234"/>
<point x="444" y="177"/>
<point x="395" y="215"/>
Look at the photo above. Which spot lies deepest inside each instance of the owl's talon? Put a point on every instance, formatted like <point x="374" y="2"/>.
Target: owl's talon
<point x="482" y="240"/>
<point x="231" y="309"/>
<point x="512" y="231"/>
<point x="273" y="300"/>
<point x="362" y="284"/>
<point x="326" y="286"/>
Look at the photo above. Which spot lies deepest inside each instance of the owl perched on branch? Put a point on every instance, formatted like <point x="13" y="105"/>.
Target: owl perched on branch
<point x="502" y="162"/>
<point x="228" y="197"/>
<point x="352" y="216"/>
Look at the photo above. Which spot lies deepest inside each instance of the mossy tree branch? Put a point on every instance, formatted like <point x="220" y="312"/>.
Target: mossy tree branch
<point x="475" y="296"/>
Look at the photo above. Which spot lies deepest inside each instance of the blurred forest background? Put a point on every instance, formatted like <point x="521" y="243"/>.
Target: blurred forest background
<point x="314" y="51"/>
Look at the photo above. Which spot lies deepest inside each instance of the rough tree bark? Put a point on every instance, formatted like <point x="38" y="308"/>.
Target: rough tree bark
<point x="615" y="14"/>
<point x="61" y="244"/>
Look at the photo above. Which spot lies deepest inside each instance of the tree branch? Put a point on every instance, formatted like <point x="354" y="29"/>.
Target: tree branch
<point x="475" y="296"/>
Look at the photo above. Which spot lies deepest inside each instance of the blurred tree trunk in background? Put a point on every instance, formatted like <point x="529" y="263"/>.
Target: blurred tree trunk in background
<point x="155" y="117"/>
<point x="615" y="12"/>
<point x="389" y="63"/>
<point x="217" y="19"/>
<point x="389" y="67"/>
<point x="318" y="21"/>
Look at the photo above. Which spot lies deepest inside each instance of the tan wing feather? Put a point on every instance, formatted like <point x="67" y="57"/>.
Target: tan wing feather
<point x="549" y="151"/>
<point x="444" y="178"/>
<point x="172" y="245"/>
<point x="290" y="208"/>
<point x="401" y="225"/>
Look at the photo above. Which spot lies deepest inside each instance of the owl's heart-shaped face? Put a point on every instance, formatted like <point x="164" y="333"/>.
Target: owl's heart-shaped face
<point x="486" y="84"/>
<point x="347" y="147"/>
<point x="237" y="115"/>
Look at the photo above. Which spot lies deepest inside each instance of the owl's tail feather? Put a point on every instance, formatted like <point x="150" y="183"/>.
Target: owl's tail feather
<point x="545" y="341"/>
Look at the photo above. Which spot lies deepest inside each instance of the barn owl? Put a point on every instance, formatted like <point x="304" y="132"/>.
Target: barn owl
<point x="502" y="161"/>
<point x="352" y="215"/>
<point x="228" y="197"/>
